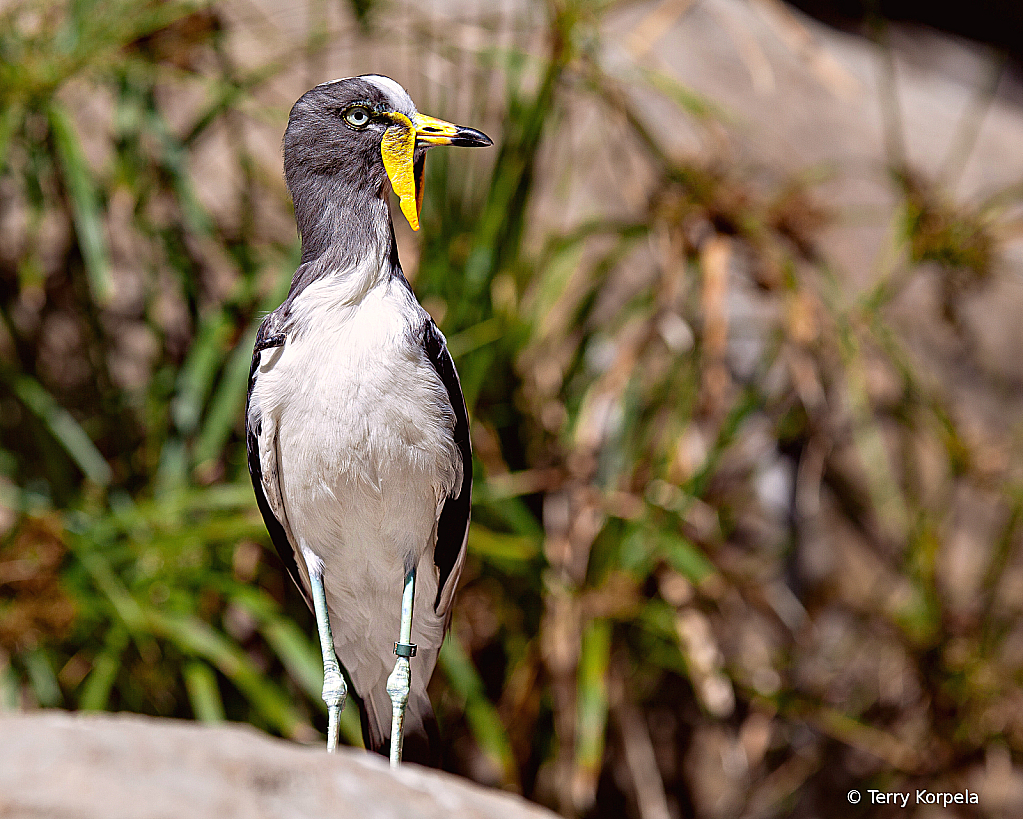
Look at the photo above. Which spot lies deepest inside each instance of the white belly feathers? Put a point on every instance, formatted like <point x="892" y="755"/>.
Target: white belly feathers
<point x="365" y="453"/>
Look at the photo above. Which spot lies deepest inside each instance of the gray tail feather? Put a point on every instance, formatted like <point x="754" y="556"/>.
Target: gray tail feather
<point x="422" y="741"/>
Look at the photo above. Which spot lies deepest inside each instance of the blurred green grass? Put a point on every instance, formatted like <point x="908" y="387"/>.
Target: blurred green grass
<point x="637" y="594"/>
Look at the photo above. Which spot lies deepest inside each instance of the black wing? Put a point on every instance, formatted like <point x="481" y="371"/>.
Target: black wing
<point x="265" y="339"/>
<point x="453" y="526"/>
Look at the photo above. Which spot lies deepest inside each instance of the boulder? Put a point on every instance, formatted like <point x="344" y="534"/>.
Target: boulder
<point x="126" y="766"/>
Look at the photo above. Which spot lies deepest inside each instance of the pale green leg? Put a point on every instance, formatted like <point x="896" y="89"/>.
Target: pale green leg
<point x="335" y="691"/>
<point x="399" y="684"/>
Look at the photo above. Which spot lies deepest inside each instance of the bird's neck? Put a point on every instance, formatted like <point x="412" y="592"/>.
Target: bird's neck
<point x="346" y="232"/>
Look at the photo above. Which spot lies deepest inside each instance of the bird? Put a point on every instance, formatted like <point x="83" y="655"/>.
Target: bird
<point x="356" y="428"/>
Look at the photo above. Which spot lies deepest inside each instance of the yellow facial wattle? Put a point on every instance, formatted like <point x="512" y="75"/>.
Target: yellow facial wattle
<point x="398" y="147"/>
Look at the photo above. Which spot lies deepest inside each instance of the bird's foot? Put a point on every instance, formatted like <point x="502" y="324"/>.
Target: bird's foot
<point x="399" y="684"/>
<point x="335" y="692"/>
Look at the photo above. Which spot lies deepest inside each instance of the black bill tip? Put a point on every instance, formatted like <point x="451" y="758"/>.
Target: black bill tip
<point x="471" y="138"/>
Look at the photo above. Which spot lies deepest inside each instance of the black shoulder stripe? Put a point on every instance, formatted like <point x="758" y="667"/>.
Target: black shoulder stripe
<point x="273" y="525"/>
<point x="454" y="518"/>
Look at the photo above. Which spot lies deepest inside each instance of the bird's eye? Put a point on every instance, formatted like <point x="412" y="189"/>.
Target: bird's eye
<point x="357" y="117"/>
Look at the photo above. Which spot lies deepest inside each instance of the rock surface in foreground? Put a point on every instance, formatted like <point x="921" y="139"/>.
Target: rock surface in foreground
<point x="117" y="766"/>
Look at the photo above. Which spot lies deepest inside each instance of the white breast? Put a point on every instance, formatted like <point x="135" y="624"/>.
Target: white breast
<point x="365" y="451"/>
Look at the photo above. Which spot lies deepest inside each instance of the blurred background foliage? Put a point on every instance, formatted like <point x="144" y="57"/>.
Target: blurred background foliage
<point x="735" y="549"/>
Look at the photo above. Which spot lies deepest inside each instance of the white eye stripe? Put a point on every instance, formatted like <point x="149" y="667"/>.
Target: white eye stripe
<point x="387" y="85"/>
<point x="398" y="96"/>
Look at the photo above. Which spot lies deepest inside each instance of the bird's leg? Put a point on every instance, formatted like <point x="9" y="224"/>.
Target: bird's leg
<point x="399" y="684"/>
<point x="335" y="691"/>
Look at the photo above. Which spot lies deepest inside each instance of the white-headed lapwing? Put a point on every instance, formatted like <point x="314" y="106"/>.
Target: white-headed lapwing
<point x="358" y="439"/>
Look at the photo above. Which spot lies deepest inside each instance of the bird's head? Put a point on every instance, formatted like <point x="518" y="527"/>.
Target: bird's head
<point x="365" y="131"/>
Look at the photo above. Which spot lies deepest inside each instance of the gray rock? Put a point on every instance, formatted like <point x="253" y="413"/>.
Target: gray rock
<point x="55" y="764"/>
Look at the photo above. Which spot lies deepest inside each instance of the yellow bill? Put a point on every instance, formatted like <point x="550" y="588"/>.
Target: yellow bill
<point x="398" y="148"/>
